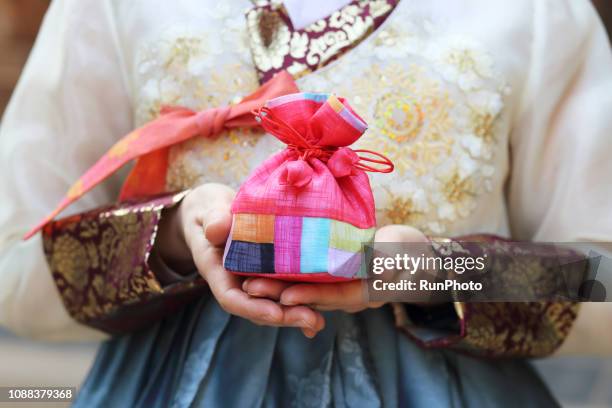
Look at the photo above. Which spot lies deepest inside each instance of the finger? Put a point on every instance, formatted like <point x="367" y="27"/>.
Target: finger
<point x="211" y="206"/>
<point x="298" y="316"/>
<point x="217" y="226"/>
<point x="235" y="301"/>
<point x="208" y="197"/>
<point x="399" y="233"/>
<point x="349" y="293"/>
<point x="304" y="317"/>
<point x="265" y="287"/>
<point x="309" y="333"/>
<point x="226" y="288"/>
<point x="208" y="228"/>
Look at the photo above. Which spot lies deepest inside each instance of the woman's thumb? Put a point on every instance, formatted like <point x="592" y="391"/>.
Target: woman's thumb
<point x="217" y="226"/>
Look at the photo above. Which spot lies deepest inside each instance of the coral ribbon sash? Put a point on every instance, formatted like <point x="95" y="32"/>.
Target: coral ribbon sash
<point x="150" y="144"/>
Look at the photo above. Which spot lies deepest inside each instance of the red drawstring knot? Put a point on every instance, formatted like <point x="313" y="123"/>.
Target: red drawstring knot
<point x="344" y="158"/>
<point x="318" y="152"/>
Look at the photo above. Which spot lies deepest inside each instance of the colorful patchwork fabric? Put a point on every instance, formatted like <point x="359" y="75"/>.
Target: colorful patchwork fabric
<point x="268" y="244"/>
<point x="305" y="212"/>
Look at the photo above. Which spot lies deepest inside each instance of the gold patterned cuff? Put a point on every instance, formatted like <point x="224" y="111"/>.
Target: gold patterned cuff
<point x="498" y="329"/>
<point x="518" y="329"/>
<point x="99" y="262"/>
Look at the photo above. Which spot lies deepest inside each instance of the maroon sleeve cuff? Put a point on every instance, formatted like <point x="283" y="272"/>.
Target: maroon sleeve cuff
<point x="104" y="269"/>
<point x="491" y="329"/>
<point x="496" y="329"/>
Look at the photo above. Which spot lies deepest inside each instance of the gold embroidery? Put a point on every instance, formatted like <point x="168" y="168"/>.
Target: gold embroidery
<point x="70" y="260"/>
<point x="226" y="158"/>
<point x="408" y="113"/>
<point x="272" y="42"/>
<point x="432" y="103"/>
<point x="169" y="67"/>
<point x="533" y="329"/>
<point x="352" y="27"/>
<point x="270" y="38"/>
<point x="509" y="329"/>
<point x="436" y="119"/>
<point x="93" y="266"/>
<point x="399" y="117"/>
<point x="483" y="125"/>
<point x="379" y="8"/>
<point x="401" y="210"/>
<point x="456" y="189"/>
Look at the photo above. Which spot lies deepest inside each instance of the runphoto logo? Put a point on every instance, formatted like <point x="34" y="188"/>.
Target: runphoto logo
<point x="413" y="264"/>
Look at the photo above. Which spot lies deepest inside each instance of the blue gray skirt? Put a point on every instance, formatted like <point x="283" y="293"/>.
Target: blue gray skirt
<point x="204" y="357"/>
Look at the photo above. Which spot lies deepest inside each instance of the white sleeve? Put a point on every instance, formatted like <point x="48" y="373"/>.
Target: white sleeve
<point x="560" y="189"/>
<point x="70" y="105"/>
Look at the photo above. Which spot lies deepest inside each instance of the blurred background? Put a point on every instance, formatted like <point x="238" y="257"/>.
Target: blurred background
<point x="577" y="382"/>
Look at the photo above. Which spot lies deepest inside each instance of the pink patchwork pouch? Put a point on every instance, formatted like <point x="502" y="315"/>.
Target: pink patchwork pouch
<point x="306" y="211"/>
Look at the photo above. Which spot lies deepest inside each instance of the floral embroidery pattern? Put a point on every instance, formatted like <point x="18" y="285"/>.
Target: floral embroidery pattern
<point x="275" y="46"/>
<point x="178" y="70"/>
<point x="432" y="102"/>
<point x="91" y="257"/>
<point x="495" y="329"/>
<point x="491" y="328"/>
<point x="432" y="99"/>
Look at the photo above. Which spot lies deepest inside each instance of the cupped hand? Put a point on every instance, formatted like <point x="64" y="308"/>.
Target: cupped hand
<point x="196" y="232"/>
<point x="349" y="296"/>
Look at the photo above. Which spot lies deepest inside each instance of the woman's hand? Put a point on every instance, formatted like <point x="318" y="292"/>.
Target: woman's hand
<point x="195" y="232"/>
<point x="349" y="297"/>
